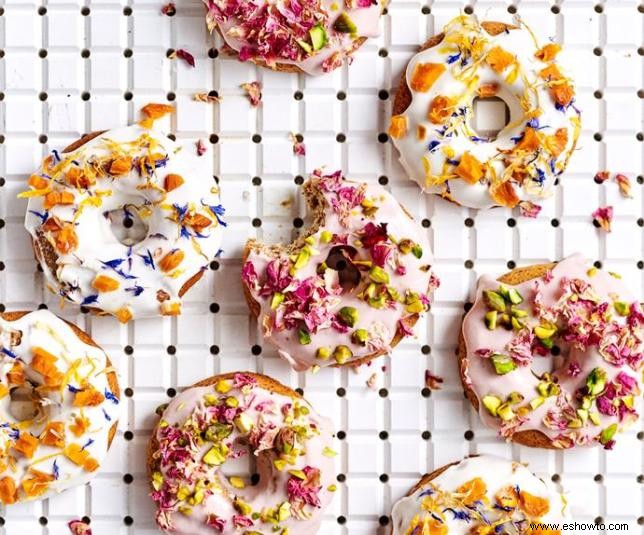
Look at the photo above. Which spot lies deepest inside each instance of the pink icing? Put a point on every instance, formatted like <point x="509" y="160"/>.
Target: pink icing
<point x="306" y="304"/>
<point x="600" y="340"/>
<point x="303" y="486"/>
<point x="272" y="32"/>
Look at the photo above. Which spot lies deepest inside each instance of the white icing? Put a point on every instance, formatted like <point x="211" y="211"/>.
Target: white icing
<point x="98" y="243"/>
<point x="45" y="330"/>
<point x="497" y="473"/>
<point x="528" y="85"/>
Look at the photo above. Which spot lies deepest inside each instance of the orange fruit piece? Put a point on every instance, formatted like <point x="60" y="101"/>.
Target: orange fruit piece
<point x="499" y="59"/>
<point x="172" y="181"/>
<point x="8" y="491"/>
<point x="121" y="166"/>
<point x="504" y="194"/>
<point x="38" y="182"/>
<point x="66" y="239"/>
<point x="80" y="425"/>
<point x="54" y="198"/>
<point x="472" y="490"/>
<point x="398" y="126"/>
<point x="53" y="435"/>
<point x="440" y="109"/>
<point x="425" y="75"/>
<point x="548" y="52"/>
<point x="88" y="397"/>
<point x="16" y="375"/>
<point x="123" y="314"/>
<point x="26" y="444"/>
<point x="530" y="141"/>
<point x="36" y="485"/>
<point x="533" y="506"/>
<point x="470" y="169"/>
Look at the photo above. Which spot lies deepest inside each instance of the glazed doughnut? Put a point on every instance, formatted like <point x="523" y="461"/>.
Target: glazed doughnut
<point x="192" y="453"/>
<point x="479" y="495"/>
<point x="552" y="355"/>
<point x="432" y="122"/>
<point x="311" y="36"/>
<point x="59" y="400"/>
<point x="124" y="222"/>
<point x="348" y="290"/>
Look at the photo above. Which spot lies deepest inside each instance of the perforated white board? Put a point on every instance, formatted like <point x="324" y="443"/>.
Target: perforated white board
<point x="77" y="66"/>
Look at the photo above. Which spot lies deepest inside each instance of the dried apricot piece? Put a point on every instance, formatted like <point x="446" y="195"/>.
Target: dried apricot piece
<point x="548" y="52"/>
<point x="171" y="260"/>
<point x="123" y="314"/>
<point x="54" y="198"/>
<point x="499" y="59"/>
<point x="76" y="454"/>
<point x="562" y="94"/>
<point x="530" y="140"/>
<point x="472" y="490"/>
<point x="8" y="491"/>
<point x="440" y="109"/>
<point x="470" y="169"/>
<point x="398" y="126"/>
<point x="533" y="506"/>
<point x="90" y="464"/>
<point x="53" y="434"/>
<point x="557" y="142"/>
<point x="424" y="76"/>
<point x="37" y="484"/>
<point x="80" y="425"/>
<point x="488" y="90"/>
<point x="172" y="182"/>
<point x="103" y="283"/>
<point x="66" y="239"/>
<point x="38" y="182"/>
<point x="76" y="178"/>
<point x="170" y="308"/>
<point x="503" y="193"/>
<point x="120" y="166"/>
<point x="88" y="397"/>
<point x="16" y="375"/>
<point x="26" y="444"/>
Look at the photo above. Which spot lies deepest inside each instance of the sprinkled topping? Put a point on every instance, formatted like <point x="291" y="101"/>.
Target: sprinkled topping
<point x="254" y="93"/>
<point x="352" y="283"/>
<point x="603" y="217"/>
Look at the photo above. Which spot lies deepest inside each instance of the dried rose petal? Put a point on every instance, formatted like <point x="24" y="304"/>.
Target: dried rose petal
<point x="372" y="382"/>
<point x="254" y="92"/>
<point x="298" y="146"/>
<point x="624" y="184"/>
<point x="603" y="216"/>
<point x="201" y="147"/>
<point x="602" y="176"/>
<point x="529" y="209"/>
<point x="433" y="382"/>
<point x="169" y="9"/>
<point x="206" y="97"/>
<point x="185" y="56"/>
<point x="78" y="527"/>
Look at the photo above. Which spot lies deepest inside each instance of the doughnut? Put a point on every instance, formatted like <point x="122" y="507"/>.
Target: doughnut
<point x="351" y="287"/>
<point x="433" y="111"/>
<point x="480" y="495"/>
<point x="552" y="355"/>
<point x="310" y="36"/>
<point x="199" y="481"/>
<point x="124" y="222"/>
<point x="59" y="399"/>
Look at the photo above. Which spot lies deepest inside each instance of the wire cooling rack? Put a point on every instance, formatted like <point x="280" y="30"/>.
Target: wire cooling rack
<point x="73" y="66"/>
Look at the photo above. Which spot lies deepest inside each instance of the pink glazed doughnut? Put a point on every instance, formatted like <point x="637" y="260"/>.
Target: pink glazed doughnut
<point x="552" y="355"/>
<point x="351" y="287"/>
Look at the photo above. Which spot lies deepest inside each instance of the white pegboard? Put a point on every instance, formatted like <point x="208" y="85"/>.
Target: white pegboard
<point x="72" y="66"/>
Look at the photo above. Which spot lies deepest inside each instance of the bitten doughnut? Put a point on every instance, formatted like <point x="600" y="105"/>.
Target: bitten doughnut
<point x="433" y="111"/>
<point x="552" y="355"/>
<point x="59" y="400"/>
<point x="349" y="289"/>
<point x="480" y="495"/>
<point x="126" y="221"/>
<point x="312" y="36"/>
<point x="199" y="483"/>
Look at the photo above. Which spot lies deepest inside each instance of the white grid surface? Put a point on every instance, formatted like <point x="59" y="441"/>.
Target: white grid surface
<point x="73" y="66"/>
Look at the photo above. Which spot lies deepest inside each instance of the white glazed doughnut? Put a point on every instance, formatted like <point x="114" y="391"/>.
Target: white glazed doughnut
<point x="561" y="354"/>
<point x="349" y="290"/>
<point x="199" y="449"/>
<point x="439" y="148"/>
<point x="314" y="36"/>
<point x="126" y="222"/>
<point x="480" y="495"/>
<point x="59" y="404"/>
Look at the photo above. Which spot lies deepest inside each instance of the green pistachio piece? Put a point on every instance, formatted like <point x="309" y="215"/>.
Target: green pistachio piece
<point x="594" y="418"/>
<point x="518" y="312"/>
<point x="360" y="336"/>
<point x="608" y="433"/>
<point x="505" y="412"/>
<point x="494" y="300"/>
<point x="377" y="274"/>
<point x="218" y="432"/>
<point x="516" y="324"/>
<point x="622" y="308"/>
<point x="545" y="330"/>
<point x="514" y="398"/>
<point x="348" y="316"/>
<point x="583" y="415"/>
<point x="326" y="236"/>
<point x="284" y="511"/>
<point x="377" y="302"/>
<point x="323" y="353"/>
<point x="575" y="423"/>
<point x="548" y="343"/>
<point x="344" y="24"/>
<point x="514" y="296"/>
<point x="490" y="319"/>
<point x="303" y="336"/>
<point x="223" y="386"/>
<point x="491" y="403"/>
<point x="502" y="364"/>
<point x="536" y="402"/>
<point x="157" y="480"/>
<point x="417" y="251"/>
<point x="216" y="455"/>
<point x="548" y="389"/>
<point x="318" y="36"/>
<point x="276" y="300"/>
<point x="596" y="381"/>
<point x="305" y="46"/>
<point x="302" y="258"/>
<point x="242" y="506"/>
<point x="232" y="401"/>
<point x="415" y="308"/>
<point x="405" y="245"/>
<point x="370" y="290"/>
<point x="243" y="423"/>
<point x="342" y="354"/>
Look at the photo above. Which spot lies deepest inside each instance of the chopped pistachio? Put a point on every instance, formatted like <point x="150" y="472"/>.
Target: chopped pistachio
<point x="494" y="300"/>
<point x="490" y="319"/>
<point x="575" y="423"/>
<point x="548" y="343"/>
<point x="210" y="400"/>
<point x="187" y="511"/>
<point x="342" y="354"/>
<point x="302" y="258"/>
<point x="621" y="307"/>
<point x="318" y="36"/>
<point x="323" y="353"/>
<point x="232" y="401"/>
<point x="241" y="506"/>
<point x="360" y="336"/>
<point x="217" y="432"/>
<point x="514" y="398"/>
<point x="516" y="324"/>
<point x="280" y="464"/>
<point x="545" y="330"/>
<point x="491" y="403"/>
<point x="157" y="480"/>
<point x="523" y="411"/>
<point x="298" y="474"/>
<point x="303" y="336"/>
<point x="237" y="482"/>
<point x="502" y="364"/>
<point x="614" y="275"/>
<point x="505" y="412"/>
<point x="548" y="389"/>
<point x="344" y="24"/>
<point x="348" y="316"/>
<point x="415" y="308"/>
<point x="536" y="402"/>
<point x="377" y="274"/>
<point x="284" y="511"/>
<point x="518" y="312"/>
<point x="328" y="452"/>
<point x="276" y="300"/>
<point x="405" y="245"/>
<point x="216" y="455"/>
<point x="596" y="381"/>
<point x="223" y="386"/>
<point x="377" y="302"/>
<point x="326" y="236"/>
<point x="163" y="423"/>
<point x="243" y="422"/>
<point x="608" y="433"/>
<point x="592" y="272"/>
<point x="594" y="417"/>
<point x="514" y="296"/>
<point x="583" y="415"/>
<point x="332" y="488"/>
<point x="417" y="251"/>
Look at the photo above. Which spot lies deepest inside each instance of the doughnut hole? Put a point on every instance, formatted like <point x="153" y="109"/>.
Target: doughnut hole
<point x="126" y="225"/>
<point x="25" y="403"/>
<point x="491" y="115"/>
